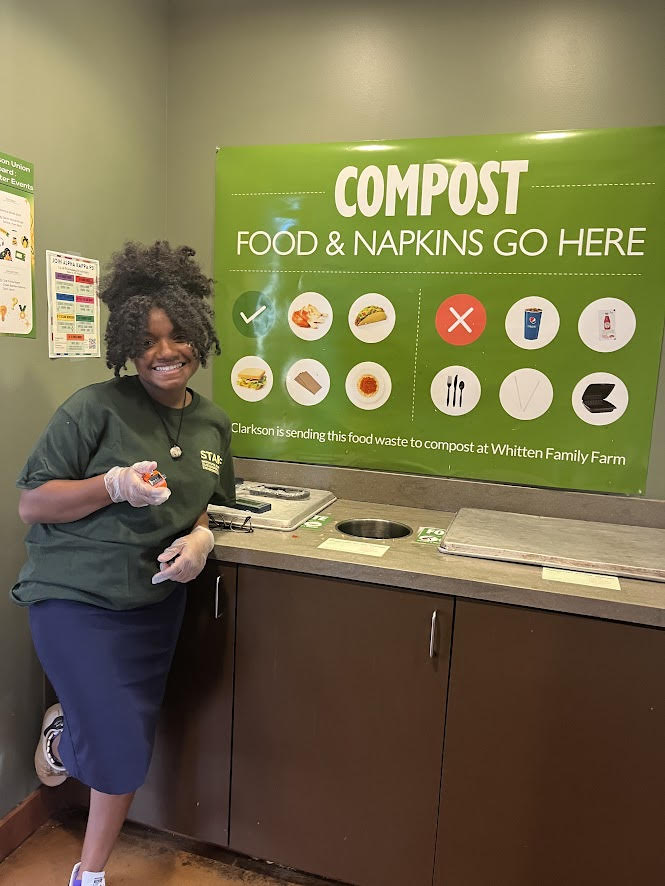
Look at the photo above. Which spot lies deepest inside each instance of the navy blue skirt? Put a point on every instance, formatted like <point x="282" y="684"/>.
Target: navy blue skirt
<point x="109" y="670"/>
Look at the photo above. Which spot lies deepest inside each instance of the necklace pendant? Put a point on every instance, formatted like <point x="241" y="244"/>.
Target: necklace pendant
<point x="175" y="451"/>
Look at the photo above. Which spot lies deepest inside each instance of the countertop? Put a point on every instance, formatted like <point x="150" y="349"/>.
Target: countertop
<point x="414" y="566"/>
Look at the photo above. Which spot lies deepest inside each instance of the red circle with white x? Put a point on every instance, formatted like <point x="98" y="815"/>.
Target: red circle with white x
<point x="461" y="319"/>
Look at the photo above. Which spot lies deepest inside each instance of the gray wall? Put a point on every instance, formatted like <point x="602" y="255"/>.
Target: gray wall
<point x="250" y="73"/>
<point x="296" y="71"/>
<point x="86" y="103"/>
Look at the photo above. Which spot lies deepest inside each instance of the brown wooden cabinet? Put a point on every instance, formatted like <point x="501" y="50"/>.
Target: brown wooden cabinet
<point x="554" y="764"/>
<point x="554" y="736"/>
<point x="187" y="790"/>
<point x="338" y="726"/>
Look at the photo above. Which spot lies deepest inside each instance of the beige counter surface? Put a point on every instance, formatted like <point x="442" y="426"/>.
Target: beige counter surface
<point x="411" y="565"/>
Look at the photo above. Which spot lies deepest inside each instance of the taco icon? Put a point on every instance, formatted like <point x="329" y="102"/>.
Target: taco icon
<point x="370" y="314"/>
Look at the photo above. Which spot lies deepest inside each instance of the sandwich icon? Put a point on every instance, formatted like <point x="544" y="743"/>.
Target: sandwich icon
<point x="254" y="377"/>
<point x="370" y="314"/>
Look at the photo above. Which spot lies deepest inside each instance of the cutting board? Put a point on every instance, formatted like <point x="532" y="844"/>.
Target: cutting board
<point x="632" y="551"/>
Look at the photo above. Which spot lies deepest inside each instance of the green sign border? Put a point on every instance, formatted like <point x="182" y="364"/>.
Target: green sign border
<point x="589" y="179"/>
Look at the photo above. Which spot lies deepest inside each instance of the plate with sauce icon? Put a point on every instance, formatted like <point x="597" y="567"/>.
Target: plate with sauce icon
<point x="368" y="385"/>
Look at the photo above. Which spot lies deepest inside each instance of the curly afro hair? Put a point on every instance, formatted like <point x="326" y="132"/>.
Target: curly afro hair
<point x="140" y="278"/>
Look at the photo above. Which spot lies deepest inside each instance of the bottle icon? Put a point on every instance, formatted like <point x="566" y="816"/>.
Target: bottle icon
<point x="607" y="324"/>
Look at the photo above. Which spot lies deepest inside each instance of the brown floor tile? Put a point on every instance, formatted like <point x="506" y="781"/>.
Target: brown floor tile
<point x="141" y="858"/>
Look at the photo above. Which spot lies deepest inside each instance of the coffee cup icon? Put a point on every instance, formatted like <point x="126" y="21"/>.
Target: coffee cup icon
<point x="532" y="323"/>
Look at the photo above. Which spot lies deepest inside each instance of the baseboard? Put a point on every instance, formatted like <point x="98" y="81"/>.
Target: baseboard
<point x="26" y="818"/>
<point x="35" y="810"/>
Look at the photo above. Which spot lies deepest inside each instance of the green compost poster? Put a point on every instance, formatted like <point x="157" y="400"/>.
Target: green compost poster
<point x="487" y="307"/>
<point x="17" y="246"/>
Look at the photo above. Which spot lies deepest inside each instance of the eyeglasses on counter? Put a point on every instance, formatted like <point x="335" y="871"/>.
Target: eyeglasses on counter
<point x="218" y="522"/>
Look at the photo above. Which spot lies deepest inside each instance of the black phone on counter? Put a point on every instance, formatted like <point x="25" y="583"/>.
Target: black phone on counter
<point x="248" y="504"/>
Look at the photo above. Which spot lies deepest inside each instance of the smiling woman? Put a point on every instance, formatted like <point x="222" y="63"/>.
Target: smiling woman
<point x="109" y="552"/>
<point x="168" y="361"/>
<point x="143" y="279"/>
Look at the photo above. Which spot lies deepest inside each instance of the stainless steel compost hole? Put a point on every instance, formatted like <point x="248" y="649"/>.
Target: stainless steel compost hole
<point x="368" y="528"/>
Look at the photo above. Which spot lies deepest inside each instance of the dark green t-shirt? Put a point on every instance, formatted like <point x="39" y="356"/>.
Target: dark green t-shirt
<point x="109" y="557"/>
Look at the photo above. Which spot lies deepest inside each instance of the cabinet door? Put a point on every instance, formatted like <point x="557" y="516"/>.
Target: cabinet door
<point x="553" y="768"/>
<point x="187" y="790"/>
<point x="338" y="726"/>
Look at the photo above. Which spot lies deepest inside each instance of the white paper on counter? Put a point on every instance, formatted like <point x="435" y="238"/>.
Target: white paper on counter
<point x="590" y="579"/>
<point x="354" y="547"/>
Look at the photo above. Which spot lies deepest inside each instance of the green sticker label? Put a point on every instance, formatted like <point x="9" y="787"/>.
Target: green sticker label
<point x="315" y="522"/>
<point x="430" y="535"/>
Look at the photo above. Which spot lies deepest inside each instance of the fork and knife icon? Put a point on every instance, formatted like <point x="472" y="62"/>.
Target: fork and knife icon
<point x="458" y="388"/>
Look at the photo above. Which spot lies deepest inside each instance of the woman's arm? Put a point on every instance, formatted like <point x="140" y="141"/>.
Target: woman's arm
<point x="63" y="501"/>
<point x="184" y="558"/>
<point x="202" y="521"/>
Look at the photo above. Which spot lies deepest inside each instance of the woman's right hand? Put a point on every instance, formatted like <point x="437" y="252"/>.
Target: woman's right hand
<point x="127" y="484"/>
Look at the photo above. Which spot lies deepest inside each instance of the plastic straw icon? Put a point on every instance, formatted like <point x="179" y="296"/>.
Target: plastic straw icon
<point x="517" y="388"/>
<point x="526" y="405"/>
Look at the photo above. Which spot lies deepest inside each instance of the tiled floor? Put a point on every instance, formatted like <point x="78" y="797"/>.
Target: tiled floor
<point x="141" y="858"/>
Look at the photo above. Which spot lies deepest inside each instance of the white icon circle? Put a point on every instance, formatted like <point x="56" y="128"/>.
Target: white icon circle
<point x="600" y="398"/>
<point x="455" y="390"/>
<point x="368" y="385"/>
<point x="371" y="317"/>
<point x="310" y="315"/>
<point x="307" y="382"/>
<point x="251" y="378"/>
<point x="532" y="322"/>
<point x="526" y="394"/>
<point x="607" y="324"/>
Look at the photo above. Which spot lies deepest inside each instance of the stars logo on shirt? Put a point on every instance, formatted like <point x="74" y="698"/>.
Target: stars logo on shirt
<point x="211" y="461"/>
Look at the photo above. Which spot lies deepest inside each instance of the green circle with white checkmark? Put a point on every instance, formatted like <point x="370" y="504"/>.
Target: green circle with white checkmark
<point x="254" y="314"/>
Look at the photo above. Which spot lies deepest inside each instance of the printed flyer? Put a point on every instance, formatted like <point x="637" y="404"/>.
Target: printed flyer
<point x="72" y="285"/>
<point x="486" y="307"/>
<point x="17" y="249"/>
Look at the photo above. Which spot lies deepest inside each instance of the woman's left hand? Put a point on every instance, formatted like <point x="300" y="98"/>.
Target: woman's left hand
<point x="185" y="557"/>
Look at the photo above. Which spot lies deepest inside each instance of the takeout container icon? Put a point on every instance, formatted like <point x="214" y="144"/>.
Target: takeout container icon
<point x="595" y="396"/>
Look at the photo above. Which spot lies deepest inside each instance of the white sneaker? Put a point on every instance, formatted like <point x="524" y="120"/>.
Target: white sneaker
<point x="50" y="771"/>
<point x="88" y="878"/>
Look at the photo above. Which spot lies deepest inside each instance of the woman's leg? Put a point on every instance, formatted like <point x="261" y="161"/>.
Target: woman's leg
<point x="105" y="820"/>
<point x="132" y="650"/>
<point x="106" y="817"/>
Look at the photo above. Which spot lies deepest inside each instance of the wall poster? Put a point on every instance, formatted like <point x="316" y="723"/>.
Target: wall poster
<point x="72" y="284"/>
<point x="17" y="246"/>
<point x="487" y="307"/>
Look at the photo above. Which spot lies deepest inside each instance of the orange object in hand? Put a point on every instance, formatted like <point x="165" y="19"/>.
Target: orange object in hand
<point x="156" y="478"/>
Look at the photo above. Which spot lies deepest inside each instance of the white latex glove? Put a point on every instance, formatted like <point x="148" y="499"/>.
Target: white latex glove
<point x="127" y="484"/>
<point x="188" y="553"/>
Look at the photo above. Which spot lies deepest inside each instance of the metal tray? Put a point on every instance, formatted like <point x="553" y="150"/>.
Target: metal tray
<point x="631" y="551"/>
<point x="285" y="514"/>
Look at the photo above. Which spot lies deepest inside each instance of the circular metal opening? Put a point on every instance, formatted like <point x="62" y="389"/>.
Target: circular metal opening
<point x="368" y="528"/>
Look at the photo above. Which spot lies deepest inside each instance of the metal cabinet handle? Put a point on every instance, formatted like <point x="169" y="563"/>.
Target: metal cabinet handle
<point x="432" y="636"/>
<point x="218" y="612"/>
